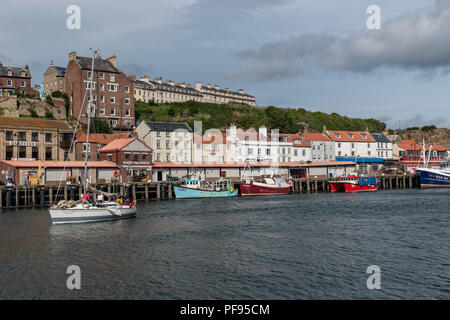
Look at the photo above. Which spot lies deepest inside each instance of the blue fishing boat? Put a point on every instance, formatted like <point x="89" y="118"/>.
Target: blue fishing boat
<point x="196" y="188"/>
<point x="435" y="177"/>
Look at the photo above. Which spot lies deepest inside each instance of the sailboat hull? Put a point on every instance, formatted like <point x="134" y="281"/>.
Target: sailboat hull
<point x="94" y="214"/>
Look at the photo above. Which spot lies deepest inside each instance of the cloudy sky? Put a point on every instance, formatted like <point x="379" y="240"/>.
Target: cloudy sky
<point x="316" y="54"/>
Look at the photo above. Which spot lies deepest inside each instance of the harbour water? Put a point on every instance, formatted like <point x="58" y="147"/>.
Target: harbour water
<point x="302" y="246"/>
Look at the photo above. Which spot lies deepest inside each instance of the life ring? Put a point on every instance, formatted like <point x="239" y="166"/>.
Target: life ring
<point x="116" y="173"/>
<point x="119" y="202"/>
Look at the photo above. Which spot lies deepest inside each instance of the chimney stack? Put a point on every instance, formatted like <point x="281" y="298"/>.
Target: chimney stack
<point x="181" y="84"/>
<point x="198" y="86"/>
<point x="241" y="91"/>
<point x="217" y="87"/>
<point x="208" y="85"/>
<point x="72" y="55"/>
<point x="132" y="77"/>
<point x="52" y="63"/>
<point x="27" y="67"/>
<point x="1" y="64"/>
<point x="113" y="60"/>
<point x="170" y="82"/>
<point x="145" y="78"/>
<point x="158" y="80"/>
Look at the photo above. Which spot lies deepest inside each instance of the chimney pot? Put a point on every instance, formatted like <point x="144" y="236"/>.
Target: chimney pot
<point x="72" y="55"/>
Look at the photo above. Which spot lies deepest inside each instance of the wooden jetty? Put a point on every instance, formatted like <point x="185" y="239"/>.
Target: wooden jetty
<point x="44" y="196"/>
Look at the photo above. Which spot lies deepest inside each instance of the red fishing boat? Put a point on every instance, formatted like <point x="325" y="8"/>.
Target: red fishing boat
<point x="353" y="184"/>
<point x="265" y="186"/>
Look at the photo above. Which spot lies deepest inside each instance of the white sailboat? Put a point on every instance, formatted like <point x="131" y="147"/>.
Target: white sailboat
<point x="78" y="211"/>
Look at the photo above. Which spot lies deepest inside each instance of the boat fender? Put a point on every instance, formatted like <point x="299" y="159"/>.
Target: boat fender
<point x="231" y="189"/>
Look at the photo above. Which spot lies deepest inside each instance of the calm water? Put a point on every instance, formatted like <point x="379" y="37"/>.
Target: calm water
<point x="315" y="246"/>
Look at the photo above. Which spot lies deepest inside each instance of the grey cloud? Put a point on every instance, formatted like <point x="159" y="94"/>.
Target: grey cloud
<point x="137" y="69"/>
<point x="418" y="41"/>
<point x="274" y="61"/>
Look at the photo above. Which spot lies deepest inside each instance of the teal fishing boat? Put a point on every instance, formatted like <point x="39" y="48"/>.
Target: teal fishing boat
<point x="192" y="188"/>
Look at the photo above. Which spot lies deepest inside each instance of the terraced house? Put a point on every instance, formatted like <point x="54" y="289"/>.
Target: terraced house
<point x="112" y="91"/>
<point x="160" y="92"/>
<point x="14" y="78"/>
<point x="217" y="95"/>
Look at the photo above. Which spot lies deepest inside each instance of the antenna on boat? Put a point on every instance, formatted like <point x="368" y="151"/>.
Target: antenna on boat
<point x="89" y="106"/>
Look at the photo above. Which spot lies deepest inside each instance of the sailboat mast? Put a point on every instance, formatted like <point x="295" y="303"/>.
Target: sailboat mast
<point x="88" y="123"/>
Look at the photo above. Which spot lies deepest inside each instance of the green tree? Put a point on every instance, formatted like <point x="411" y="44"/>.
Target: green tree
<point x="99" y="125"/>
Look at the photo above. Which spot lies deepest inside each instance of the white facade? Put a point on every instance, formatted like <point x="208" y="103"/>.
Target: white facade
<point x="171" y="142"/>
<point x="353" y="144"/>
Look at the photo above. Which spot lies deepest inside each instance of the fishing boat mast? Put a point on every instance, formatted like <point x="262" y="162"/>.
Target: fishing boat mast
<point x="89" y="106"/>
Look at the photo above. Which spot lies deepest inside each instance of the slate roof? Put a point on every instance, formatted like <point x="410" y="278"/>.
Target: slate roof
<point x="61" y="71"/>
<point x="165" y="87"/>
<point x="167" y="126"/>
<point x="226" y="92"/>
<point x="379" y="137"/>
<point x="15" y="72"/>
<point x="99" y="65"/>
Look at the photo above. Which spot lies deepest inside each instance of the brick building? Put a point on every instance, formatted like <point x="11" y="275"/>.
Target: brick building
<point x="112" y="91"/>
<point x="96" y="142"/>
<point x="34" y="139"/>
<point x="54" y="79"/>
<point x="133" y="157"/>
<point x="13" y="78"/>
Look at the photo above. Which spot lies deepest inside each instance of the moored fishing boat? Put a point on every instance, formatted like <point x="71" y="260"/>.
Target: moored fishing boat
<point x="353" y="184"/>
<point x="265" y="186"/>
<point x="195" y="187"/>
<point x="435" y="177"/>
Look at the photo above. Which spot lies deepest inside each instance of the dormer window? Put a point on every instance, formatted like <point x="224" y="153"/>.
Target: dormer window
<point x="351" y="136"/>
<point x="10" y="73"/>
<point x="22" y="74"/>
<point x="338" y="135"/>
<point x="363" y="136"/>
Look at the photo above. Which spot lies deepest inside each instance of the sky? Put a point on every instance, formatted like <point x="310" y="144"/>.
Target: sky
<point x="315" y="54"/>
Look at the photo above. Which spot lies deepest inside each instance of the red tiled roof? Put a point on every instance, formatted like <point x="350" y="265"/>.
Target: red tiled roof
<point x="119" y="144"/>
<point x="311" y="136"/>
<point x="101" y="138"/>
<point x="58" y="164"/>
<point x="350" y="136"/>
<point x="410" y="145"/>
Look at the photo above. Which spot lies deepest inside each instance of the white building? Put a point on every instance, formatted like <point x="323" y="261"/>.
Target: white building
<point x="321" y="147"/>
<point x="353" y="144"/>
<point x="217" y="95"/>
<point x="171" y="142"/>
<point x="384" y="146"/>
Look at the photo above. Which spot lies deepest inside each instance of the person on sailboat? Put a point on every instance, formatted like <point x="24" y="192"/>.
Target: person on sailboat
<point x="85" y="199"/>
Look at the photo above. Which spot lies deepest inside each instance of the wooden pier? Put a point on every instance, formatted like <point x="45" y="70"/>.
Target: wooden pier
<point x="45" y="196"/>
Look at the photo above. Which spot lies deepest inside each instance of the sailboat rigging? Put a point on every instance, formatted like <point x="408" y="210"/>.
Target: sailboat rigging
<point x="79" y="211"/>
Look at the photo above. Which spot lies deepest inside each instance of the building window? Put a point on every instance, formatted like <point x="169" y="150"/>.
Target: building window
<point x="167" y="144"/>
<point x="35" y="136"/>
<point x="112" y="99"/>
<point x="112" y="77"/>
<point x="113" y="87"/>
<point x="102" y="111"/>
<point x="127" y="100"/>
<point x="113" y="111"/>
<point x="48" y="137"/>
<point x="127" y="122"/>
<point x="9" y="135"/>
<point x="127" y="89"/>
<point x="136" y="157"/>
<point x="144" y="156"/>
<point x="9" y="152"/>
<point x="22" y="152"/>
<point x="22" y="83"/>
<point x="89" y="75"/>
<point x="102" y="75"/>
<point x="127" y="112"/>
<point x="9" y="83"/>
<point x="86" y="147"/>
<point x="35" y="153"/>
<point x="48" y="153"/>
<point x="109" y="157"/>
<point x="128" y="156"/>
<point x="22" y="136"/>
<point x="66" y="155"/>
